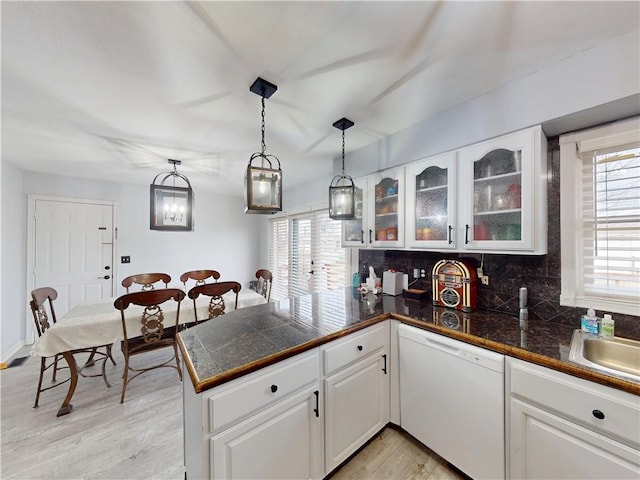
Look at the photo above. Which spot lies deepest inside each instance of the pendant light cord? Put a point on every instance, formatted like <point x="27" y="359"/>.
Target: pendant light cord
<point x="343" y="153"/>
<point x="264" y="145"/>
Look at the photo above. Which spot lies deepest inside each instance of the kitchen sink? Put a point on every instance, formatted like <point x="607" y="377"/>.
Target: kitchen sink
<point x="616" y="355"/>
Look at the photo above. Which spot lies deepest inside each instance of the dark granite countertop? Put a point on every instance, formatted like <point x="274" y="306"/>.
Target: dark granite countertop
<point x="251" y="338"/>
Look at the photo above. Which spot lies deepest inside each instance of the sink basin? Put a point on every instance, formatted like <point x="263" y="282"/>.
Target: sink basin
<point x="615" y="355"/>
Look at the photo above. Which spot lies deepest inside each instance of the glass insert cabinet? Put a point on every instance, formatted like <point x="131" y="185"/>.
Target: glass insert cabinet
<point x="487" y="197"/>
<point x="379" y="211"/>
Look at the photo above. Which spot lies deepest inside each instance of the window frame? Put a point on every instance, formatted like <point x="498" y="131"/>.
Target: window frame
<point x="571" y="263"/>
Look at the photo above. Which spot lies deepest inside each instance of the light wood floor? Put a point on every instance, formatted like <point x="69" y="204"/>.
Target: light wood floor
<point x="142" y="438"/>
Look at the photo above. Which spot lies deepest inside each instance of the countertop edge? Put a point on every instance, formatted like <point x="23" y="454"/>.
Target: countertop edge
<point x="572" y="369"/>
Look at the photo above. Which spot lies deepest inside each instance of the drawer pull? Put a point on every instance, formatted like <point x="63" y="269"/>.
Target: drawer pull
<point x="274" y="388"/>
<point x="359" y="348"/>
<point x="598" y="414"/>
<point x="317" y="409"/>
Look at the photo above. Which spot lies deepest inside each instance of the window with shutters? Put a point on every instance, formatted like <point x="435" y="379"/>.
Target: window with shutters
<point x="600" y="218"/>
<point x="305" y="255"/>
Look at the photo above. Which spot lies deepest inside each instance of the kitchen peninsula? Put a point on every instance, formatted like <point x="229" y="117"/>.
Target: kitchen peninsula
<point x="265" y="374"/>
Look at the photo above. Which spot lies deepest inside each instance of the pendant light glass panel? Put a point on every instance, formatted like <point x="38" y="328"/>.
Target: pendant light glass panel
<point x="263" y="188"/>
<point x="342" y="198"/>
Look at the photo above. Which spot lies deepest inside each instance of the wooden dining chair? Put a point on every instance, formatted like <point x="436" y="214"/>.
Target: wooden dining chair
<point x="151" y="333"/>
<point x="147" y="280"/>
<point x="200" y="276"/>
<point x="264" y="283"/>
<point x="217" y="305"/>
<point x="44" y="316"/>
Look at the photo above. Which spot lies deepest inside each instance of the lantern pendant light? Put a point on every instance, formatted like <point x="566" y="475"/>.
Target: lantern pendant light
<point x="263" y="182"/>
<point x="171" y="205"/>
<point x="342" y="189"/>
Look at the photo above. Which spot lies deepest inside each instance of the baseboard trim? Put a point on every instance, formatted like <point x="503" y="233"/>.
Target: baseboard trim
<point x="6" y="356"/>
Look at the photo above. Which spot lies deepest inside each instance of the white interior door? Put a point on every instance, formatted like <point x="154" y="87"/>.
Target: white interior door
<point x="72" y="251"/>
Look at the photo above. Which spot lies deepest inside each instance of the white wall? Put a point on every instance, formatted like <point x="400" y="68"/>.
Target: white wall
<point x="13" y="268"/>
<point x="224" y="238"/>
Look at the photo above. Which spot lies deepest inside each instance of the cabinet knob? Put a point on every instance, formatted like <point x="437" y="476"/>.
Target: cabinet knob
<point x="359" y="348"/>
<point x="274" y="388"/>
<point x="598" y="414"/>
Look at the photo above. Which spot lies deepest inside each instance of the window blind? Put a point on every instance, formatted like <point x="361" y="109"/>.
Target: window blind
<point x="305" y="255"/>
<point x="610" y="249"/>
<point x="278" y="257"/>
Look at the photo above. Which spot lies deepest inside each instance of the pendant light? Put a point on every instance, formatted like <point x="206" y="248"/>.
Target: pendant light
<point x="171" y="205"/>
<point x="263" y="182"/>
<point x="342" y="189"/>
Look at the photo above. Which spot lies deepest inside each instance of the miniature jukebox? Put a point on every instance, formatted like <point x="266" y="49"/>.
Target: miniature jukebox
<point x="455" y="285"/>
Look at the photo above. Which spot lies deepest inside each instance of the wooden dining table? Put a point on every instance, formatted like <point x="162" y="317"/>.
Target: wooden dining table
<point x="91" y="324"/>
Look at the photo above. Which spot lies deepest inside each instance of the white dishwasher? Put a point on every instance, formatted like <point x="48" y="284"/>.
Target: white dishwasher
<point x="452" y="400"/>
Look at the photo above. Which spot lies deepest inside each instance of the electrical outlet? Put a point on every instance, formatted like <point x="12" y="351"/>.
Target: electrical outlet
<point x="423" y="273"/>
<point x="485" y="279"/>
<point x="416" y="273"/>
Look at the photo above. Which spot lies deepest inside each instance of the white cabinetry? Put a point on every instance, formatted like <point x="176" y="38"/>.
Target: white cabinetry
<point x="379" y="211"/>
<point x="267" y="424"/>
<point x="356" y="390"/>
<point x="431" y="202"/>
<point x="564" y="427"/>
<point x="486" y="197"/>
<point x="503" y="193"/>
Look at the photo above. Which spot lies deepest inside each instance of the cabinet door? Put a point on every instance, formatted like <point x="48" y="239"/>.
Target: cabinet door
<point x="431" y="203"/>
<point x="282" y="442"/>
<point x="353" y="231"/>
<point x="543" y="445"/>
<point x="503" y="192"/>
<point x="357" y="407"/>
<point x="386" y="208"/>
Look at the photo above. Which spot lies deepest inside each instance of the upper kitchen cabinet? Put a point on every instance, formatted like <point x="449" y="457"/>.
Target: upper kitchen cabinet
<point x="379" y="211"/>
<point x="431" y="202"/>
<point x="503" y="194"/>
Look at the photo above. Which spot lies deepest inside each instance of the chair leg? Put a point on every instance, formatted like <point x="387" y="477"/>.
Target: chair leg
<point x="104" y="373"/>
<point x="90" y="362"/>
<point x="109" y="354"/>
<point x="175" y="351"/>
<point x="125" y="376"/>
<point x="55" y="368"/>
<point x="42" y="365"/>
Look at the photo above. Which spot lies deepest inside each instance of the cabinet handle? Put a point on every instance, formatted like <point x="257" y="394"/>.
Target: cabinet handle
<point x="274" y="388"/>
<point x="384" y="368"/>
<point x="359" y="348"/>
<point x="370" y="233"/>
<point x="362" y="237"/>
<point x="317" y="409"/>
<point x="466" y="234"/>
<point x="450" y="239"/>
<point x="598" y="414"/>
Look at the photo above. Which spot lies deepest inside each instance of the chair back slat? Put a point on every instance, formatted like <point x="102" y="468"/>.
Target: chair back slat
<point x="40" y="297"/>
<point x="200" y="276"/>
<point x="217" y="305"/>
<point x="146" y="280"/>
<point x="264" y="283"/>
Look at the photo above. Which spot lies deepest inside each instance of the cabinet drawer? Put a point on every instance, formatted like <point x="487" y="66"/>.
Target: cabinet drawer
<point x="341" y="353"/>
<point x="579" y="400"/>
<point x="263" y="388"/>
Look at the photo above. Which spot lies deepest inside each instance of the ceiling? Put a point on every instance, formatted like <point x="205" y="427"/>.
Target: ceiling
<point x="112" y="90"/>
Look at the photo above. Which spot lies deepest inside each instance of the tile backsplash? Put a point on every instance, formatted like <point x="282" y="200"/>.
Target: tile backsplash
<point x="507" y="273"/>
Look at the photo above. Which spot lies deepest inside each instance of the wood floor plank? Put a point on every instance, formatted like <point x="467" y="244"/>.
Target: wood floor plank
<point x="142" y="439"/>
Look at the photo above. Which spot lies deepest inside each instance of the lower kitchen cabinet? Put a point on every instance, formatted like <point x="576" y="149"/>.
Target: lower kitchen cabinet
<point x="267" y="424"/>
<point x="357" y="407"/>
<point x="280" y="442"/>
<point x="563" y="427"/>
